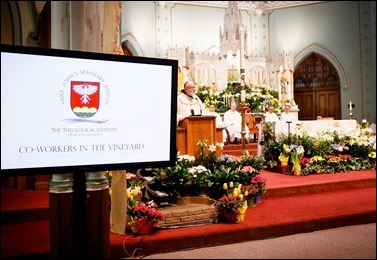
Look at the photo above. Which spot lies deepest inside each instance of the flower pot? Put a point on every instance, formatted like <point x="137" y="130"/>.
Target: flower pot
<point x="284" y="169"/>
<point x="258" y="199"/>
<point x="145" y="227"/>
<point x="229" y="217"/>
<point x="297" y="170"/>
<point x="134" y="227"/>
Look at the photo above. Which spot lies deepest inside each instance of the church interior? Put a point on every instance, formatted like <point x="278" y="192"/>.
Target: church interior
<point x="316" y="56"/>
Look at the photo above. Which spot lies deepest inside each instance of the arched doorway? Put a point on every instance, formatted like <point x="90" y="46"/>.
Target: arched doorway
<point x="317" y="88"/>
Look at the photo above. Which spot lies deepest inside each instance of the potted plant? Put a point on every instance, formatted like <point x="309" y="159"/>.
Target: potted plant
<point x="260" y="185"/>
<point x="297" y="152"/>
<point x="232" y="206"/>
<point x="147" y="216"/>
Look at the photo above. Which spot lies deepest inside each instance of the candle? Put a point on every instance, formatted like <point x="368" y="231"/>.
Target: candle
<point x="350" y="105"/>
<point x="242" y="47"/>
<point x="243" y="95"/>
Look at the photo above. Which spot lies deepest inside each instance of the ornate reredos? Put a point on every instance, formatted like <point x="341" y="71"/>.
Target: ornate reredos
<point x="219" y="68"/>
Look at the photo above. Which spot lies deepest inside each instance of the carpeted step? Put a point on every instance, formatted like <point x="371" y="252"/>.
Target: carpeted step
<point x="291" y="205"/>
<point x="236" y="149"/>
<point x="19" y="206"/>
<point x="281" y="185"/>
<point x="275" y="217"/>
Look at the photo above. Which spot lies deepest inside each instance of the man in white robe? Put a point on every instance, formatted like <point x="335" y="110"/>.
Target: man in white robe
<point x="188" y="103"/>
<point x="233" y="122"/>
<point x="287" y="115"/>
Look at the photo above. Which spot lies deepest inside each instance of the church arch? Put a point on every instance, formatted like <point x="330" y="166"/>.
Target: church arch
<point x="316" y="48"/>
<point x="317" y="86"/>
<point x="130" y="44"/>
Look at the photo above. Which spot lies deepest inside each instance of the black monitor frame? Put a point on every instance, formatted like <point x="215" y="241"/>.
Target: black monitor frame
<point x="172" y="65"/>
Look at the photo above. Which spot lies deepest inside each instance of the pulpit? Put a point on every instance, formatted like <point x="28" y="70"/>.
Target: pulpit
<point x="193" y="129"/>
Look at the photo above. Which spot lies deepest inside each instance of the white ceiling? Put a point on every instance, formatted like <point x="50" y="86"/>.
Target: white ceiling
<point x="251" y="5"/>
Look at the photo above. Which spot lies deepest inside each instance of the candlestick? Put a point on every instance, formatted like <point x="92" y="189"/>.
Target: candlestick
<point x="243" y="95"/>
<point x="242" y="48"/>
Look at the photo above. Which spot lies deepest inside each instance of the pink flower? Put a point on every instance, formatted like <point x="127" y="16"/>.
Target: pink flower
<point x="248" y="169"/>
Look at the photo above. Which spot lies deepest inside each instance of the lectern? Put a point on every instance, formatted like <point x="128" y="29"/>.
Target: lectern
<point x="194" y="129"/>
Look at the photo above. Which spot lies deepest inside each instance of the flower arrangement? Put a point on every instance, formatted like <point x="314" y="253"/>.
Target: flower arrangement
<point x="147" y="212"/>
<point x="233" y="202"/>
<point x="284" y="155"/>
<point x="320" y="145"/>
<point x="259" y="183"/>
<point x="297" y="152"/>
<point x="257" y="97"/>
<point x="206" y="153"/>
<point x="197" y="181"/>
<point x="134" y="193"/>
<point x="250" y="192"/>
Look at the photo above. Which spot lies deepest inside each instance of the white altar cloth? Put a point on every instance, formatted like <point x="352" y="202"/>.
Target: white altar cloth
<point x="314" y="126"/>
<point x="311" y="127"/>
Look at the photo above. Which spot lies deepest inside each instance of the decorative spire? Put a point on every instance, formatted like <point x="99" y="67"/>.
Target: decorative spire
<point x="230" y="36"/>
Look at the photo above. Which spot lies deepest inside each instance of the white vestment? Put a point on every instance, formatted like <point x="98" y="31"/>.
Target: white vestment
<point x="286" y="117"/>
<point x="187" y="106"/>
<point x="270" y="117"/>
<point x="233" y="122"/>
<point x="219" y="119"/>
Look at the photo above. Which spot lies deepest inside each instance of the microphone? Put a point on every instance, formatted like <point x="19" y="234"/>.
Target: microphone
<point x="200" y="105"/>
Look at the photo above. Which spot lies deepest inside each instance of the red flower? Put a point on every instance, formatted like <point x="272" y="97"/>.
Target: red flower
<point x="147" y="211"/>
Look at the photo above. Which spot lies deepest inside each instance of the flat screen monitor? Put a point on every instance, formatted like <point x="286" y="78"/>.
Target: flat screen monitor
<point x="68" y="111"/>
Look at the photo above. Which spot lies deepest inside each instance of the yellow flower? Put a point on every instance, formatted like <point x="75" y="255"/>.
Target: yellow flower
<point x="134" y="192"/>
<point x="283" y="159"/>
<point x="241" y="212"/>
<point x="231" y="184"/>
<point x="225" y="186"/>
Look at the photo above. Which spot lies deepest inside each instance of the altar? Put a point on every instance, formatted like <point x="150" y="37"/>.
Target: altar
<point x="311" y="127"/>
<point x="314" y="126"/>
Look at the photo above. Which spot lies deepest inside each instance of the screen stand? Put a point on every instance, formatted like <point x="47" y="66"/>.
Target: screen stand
<point x="79" y="218"/>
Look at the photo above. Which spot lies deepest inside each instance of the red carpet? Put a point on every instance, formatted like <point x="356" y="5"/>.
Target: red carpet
<point x="292" y="204"/>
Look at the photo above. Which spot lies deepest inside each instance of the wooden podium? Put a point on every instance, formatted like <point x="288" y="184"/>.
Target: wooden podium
<point x="193" y="129"/>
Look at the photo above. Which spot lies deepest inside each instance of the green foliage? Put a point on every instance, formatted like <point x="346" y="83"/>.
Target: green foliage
<point x="328" y="151"/>
<point x="257" y="97"/>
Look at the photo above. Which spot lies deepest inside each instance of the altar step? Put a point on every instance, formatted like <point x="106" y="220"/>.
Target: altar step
<point x="298" y="203"/>
<point x="236" y="149"/>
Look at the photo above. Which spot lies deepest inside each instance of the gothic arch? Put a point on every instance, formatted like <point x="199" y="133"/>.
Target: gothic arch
<point x="316" y="48"/>
<point x="128" y="40"/>
<point x="13" y="17"/>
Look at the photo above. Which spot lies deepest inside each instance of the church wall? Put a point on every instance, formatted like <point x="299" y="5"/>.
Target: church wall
<point x="333" y="25"/>
<point x="139" y="20"/>
<point x="197" y="28"/>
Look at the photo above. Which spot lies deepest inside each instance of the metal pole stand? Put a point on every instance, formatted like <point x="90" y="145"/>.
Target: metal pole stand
<point x="243" y="108"/>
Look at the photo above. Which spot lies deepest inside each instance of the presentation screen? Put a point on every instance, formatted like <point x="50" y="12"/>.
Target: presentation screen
<point x="68" y="111"/>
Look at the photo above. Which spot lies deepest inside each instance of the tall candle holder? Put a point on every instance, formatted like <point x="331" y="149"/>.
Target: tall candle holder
<point x="243" y="108"/>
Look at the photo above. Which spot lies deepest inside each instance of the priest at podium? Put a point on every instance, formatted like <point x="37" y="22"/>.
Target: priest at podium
<point x="188" y="103"/>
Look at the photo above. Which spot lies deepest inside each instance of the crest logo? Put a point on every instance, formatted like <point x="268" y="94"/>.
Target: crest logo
<point x="85" y="96"/>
